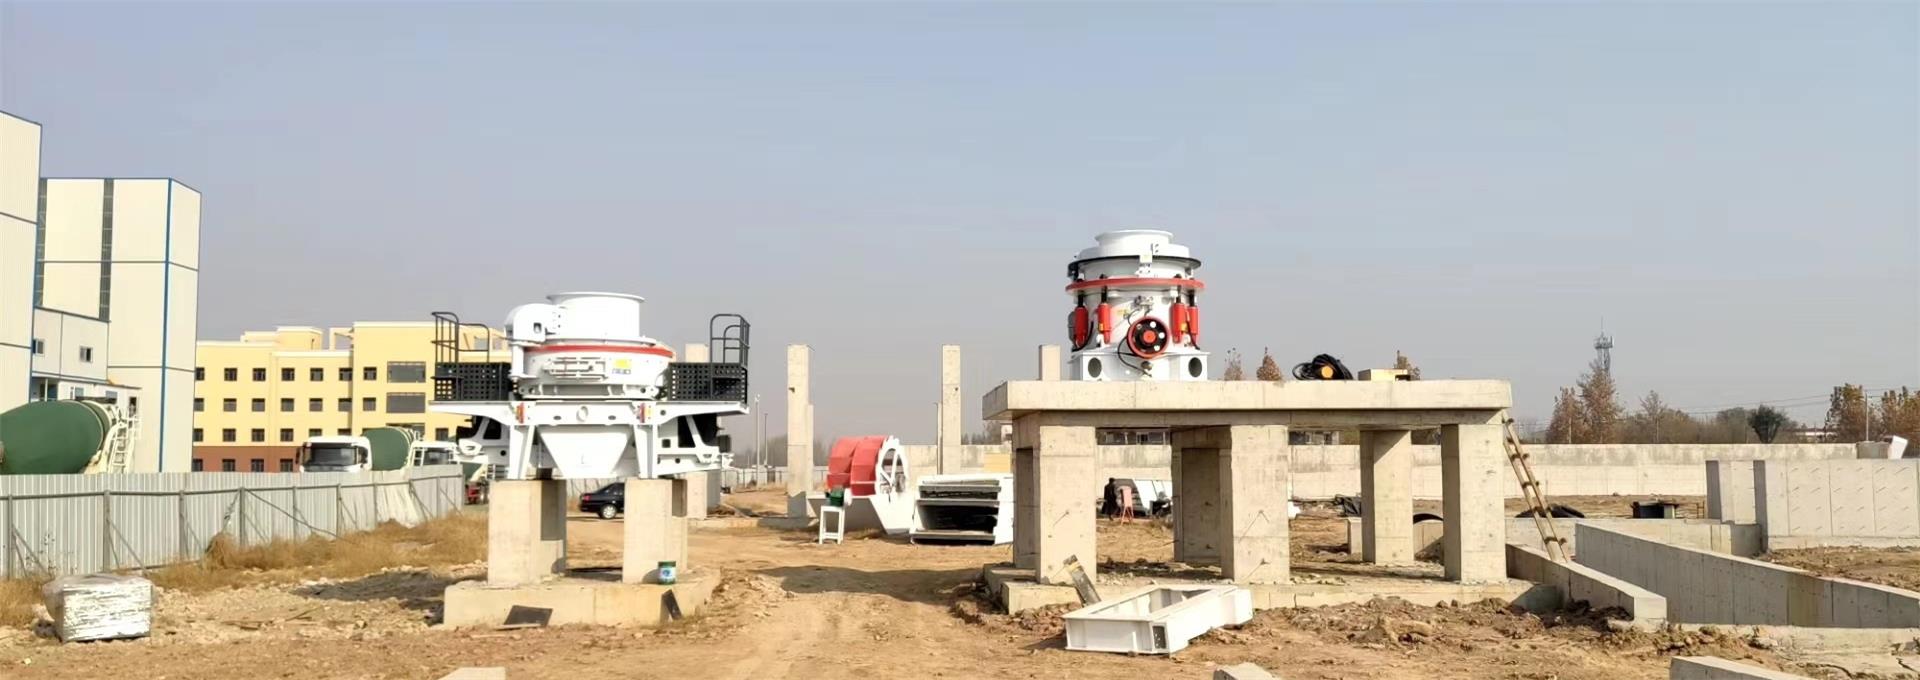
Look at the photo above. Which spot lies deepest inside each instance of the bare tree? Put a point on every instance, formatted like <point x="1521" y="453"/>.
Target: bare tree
<point x="1269" y="369"/>
<point x="1234" y="371"/>
<point x="1599" y="406"/>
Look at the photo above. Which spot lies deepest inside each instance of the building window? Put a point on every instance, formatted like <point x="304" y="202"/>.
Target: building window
<point x="286" y="375"/>
<point x="199" y="374"/>
<point x="199" y="435"/>
<point x="230" y="405"/>
<point x="406" y="402"/>
<point x="226" y="465"/>
<point x="366" y="403"/>
<point x="199" y="404"/>
<point x="230" y="374"/>
<point x="259" y="375"/>
<point x="369" y="374"/>
<point x="259" y="405"/>
<point x="229" y="435"/>
<point x="344" y="405"/>
<point x="39" y="347"/>
<point x="199" y="465"/>
<point x="406" y="372"/>
<point x="313" y="432"/>
<point x="439" y="434"/>
<point x="286" y="404"/>
<point x="286" y="465"/>
<point x="257" y="465"/>
<point x="286" y="434"/>
<point x="346" y="375"/>
<point x="316" y="374"/>
<point x="258" y="435"/>
<point x="344" y="432"/>
<point x="79" y="392"/>
<point x="1127" y="437"/>
<point x="86" y="355"/>
<point x="315" y="405"/>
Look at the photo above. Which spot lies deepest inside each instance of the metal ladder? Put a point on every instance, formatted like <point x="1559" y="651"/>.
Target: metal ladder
<point x="1530" y="490"/>
<point x="119" y="445"/>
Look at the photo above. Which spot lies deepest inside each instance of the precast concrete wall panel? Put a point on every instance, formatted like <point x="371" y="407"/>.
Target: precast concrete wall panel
<point x="1839" y="502"/>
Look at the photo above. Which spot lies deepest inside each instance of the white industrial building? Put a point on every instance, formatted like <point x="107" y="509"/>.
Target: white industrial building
<point x="99" y="289"/>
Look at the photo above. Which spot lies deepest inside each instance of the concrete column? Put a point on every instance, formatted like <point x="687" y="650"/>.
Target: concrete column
<point x="1386" y="496"/>
<point x="799" y="430"/>
<point x="654" y="532"/>
<point x="690" y="495"/>
<point x="1255" y="471"/>
<point x="526" y="531"/>
<point x="697" y="353"/>
<point x="1471" y="462"/>
<point x="950" y="428"/>
<point x="1049" y="362"/>
<point x="1065" y="465"/>
<point x="1196" y="500"/>
<point x="1026" y="509"/>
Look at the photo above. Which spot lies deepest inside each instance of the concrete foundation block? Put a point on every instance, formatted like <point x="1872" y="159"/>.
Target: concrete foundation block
<point x="1243" y="671"/>
<point x="1016" y="591"/>
<point x="526" y="531"/>
<point x="1386" y="491"/>
<point x="1065" y="470"/>
<point x="1715" y="668"/>
<point x="690" y="495"/>
<point x="1196" y="514"/>
<point x="1473" y="471"/>
<point x="575" y="600"/>
<point x="1253" y="473"/>
<point x="655" y="533"/>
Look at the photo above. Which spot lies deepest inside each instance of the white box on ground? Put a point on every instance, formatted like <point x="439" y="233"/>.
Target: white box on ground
<point x="1156" y="619"/>
<point x="99" y="607"/>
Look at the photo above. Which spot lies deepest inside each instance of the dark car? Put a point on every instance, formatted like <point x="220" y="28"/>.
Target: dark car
<point x="607" y="501"/>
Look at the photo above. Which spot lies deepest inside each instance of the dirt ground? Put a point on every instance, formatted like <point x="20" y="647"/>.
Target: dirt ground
<point x="1897" y="567"/>
<point x="789" y="608"/>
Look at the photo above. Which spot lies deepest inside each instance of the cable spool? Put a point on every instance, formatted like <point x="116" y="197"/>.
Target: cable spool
<point x="1322" y="367"/>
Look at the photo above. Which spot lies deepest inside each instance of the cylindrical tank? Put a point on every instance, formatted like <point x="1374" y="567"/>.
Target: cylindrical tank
<point x="586" y="345"/>
<point x="1140" y="287"/>
<point x="392" y="447"/>
<point x="52" y="437"/>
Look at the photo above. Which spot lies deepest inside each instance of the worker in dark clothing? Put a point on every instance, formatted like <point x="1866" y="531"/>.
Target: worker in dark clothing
<point x="1110" y="499"/>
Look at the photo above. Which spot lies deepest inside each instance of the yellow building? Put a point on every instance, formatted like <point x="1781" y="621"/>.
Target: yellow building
<point x="257" y="399"/>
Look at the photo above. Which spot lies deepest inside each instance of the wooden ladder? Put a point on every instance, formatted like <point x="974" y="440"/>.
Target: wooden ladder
<point x="1530" y="489"/>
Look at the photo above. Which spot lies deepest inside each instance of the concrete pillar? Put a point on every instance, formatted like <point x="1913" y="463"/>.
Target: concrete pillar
<point x="1049" y="362"/>
<point x="1026" y="509"/>
<point x="1065" y="465"/>
<point x="654" y="532"/>
<point x="950" y="428"/>
<point x="799" y="430"/>
<point x="1386" y="496"/>
<point x="526" y="531"/>
<point x="1196" y="499"/>
<point x="697" y="353"/>
<point x="690" y="495"/>
<point x="1472" y="460"/>
<point x="1255" y="471"/>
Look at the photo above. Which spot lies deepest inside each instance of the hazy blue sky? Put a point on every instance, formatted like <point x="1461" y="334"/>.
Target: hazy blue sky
<point x="1732" y="187"/>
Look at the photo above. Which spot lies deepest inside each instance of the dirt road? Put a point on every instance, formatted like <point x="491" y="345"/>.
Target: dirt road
<point x="789" y="608"/>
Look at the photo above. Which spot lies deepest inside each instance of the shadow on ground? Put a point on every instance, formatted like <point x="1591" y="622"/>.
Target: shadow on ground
<point x="419" y="590"/>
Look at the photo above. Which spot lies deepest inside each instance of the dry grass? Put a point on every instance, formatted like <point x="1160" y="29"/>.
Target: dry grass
<point x="17" y="598"/>
<point x="456" y="539"/>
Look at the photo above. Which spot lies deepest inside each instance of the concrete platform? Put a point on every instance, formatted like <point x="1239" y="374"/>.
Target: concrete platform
<point x="1016" y="590"/>
<point x="1017" y="398"/>
<point x="596" y="598"/>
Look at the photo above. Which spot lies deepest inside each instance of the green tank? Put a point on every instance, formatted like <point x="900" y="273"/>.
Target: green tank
<point x="392" y="447"/>
<point x="52" y="437"/>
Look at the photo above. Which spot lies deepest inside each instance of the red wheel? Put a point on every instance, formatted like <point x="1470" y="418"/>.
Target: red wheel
<point x="1148" y="338"/>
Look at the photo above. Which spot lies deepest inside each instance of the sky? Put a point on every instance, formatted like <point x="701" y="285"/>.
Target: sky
<point x="1733" y="190"/>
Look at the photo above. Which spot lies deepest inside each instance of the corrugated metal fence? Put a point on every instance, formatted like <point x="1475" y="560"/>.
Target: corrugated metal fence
<point x="76" y="524"/>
